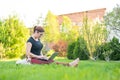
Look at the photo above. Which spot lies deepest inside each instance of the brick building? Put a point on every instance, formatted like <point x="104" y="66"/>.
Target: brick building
<point x="77" y="17"/>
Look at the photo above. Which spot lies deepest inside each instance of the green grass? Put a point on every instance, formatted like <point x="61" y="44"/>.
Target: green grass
<point x="86" y="70"/>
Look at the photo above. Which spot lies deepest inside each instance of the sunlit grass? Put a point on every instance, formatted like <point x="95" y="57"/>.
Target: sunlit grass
<point x="86" y="70"/>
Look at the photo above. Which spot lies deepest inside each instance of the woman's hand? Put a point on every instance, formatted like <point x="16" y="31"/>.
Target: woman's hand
<point x="42" y="57"/>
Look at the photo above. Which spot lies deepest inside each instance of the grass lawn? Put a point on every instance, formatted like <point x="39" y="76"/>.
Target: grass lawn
<point x="86" y="70"/>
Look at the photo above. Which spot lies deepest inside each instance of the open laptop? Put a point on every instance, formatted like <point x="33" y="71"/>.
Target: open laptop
<point x="51" y="57"/>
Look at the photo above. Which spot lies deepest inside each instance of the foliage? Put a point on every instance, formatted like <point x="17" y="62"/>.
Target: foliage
<point x="51" y="28"/>
<point x="1" y="51"/>
<point x="109" y="50"/>
<point x="13" y="36"/>
<point x="68" y="34"/>
<point x="115" y="46"/>
<point x="112" y="19"/>
<point x="86" y="70"/>
<point x="66" y="24"/>
<point x="68" y="31"/>
<point x="103" y="51"/>
<point x="61" y="47"/>
<point x="94" y="33"/>
<point x="70" y="49"/>
<point x="78" y="49"/>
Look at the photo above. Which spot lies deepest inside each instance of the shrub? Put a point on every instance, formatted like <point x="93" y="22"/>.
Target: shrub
<point x="61" y="47"/>
<point x="109" y="50"/>
<point x="78" y="49"/>
<point x="70" y="49"/>
<point x="13" y="35"/>
<point x="115" y="46"/>
<point x="102" y="51"/>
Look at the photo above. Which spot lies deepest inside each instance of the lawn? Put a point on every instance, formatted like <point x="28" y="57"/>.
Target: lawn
<point x="86" y="70"/>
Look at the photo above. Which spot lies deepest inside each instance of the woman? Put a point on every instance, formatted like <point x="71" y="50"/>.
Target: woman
<point x="34" y="47"/>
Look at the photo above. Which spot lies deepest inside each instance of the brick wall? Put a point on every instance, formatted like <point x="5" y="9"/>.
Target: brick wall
<point x="77" y="17"/>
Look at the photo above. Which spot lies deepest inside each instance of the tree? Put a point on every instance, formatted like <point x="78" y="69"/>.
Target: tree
<point x="51" y="28"/>
<point x="66" y="24"/>
<point x="68" y="31"/>
<point x="112" y="19"/>
<point x="13" y="36"/>
<point x="94" y="33"/>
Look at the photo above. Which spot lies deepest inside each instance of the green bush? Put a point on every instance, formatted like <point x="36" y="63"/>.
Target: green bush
<point x="70" y="49"/>
<point x="109" y="50"/>
<point x="13" y="36"/>
<point x="78" y="49"/>
<point x="101" y="51"/>
<point x="115" y="46"/>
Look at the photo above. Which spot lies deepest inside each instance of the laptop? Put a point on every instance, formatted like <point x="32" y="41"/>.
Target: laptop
<point x="51" y="57"/>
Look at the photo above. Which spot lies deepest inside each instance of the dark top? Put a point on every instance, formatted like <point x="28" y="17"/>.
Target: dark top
<point x="36" y="46"/>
